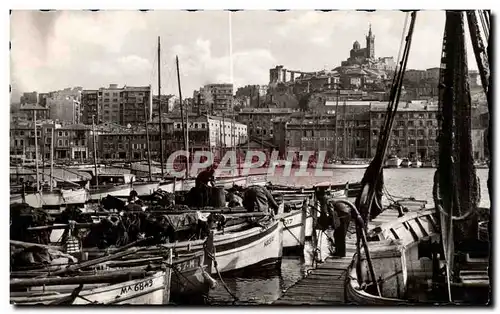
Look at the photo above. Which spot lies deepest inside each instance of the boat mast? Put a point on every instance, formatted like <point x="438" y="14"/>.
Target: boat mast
<point x="147" y="141"/>
<point x="336" y="123"/>
<point x="51" y="155"/>
<point x="95" y="153"/>
<point x="344" y="140"/>
<point x="184" y="128"/>
<point x="36" y="153"/>
<point x="159" y="107"/>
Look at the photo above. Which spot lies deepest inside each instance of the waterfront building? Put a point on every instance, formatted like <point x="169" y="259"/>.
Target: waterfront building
<point x="213" y="99"/>
<point x="90" y="106"/>
<point x="259" y="121"/>
<point x="71" y="141"/>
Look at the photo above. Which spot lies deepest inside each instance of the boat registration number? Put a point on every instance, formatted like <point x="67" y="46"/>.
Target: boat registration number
<point x="288" y="221"/>
<point x="137" y="287"/>
<point x="190" y="264"/>
<point x="269" y="241"/>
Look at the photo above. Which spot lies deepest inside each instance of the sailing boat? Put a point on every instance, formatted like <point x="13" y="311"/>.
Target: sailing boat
<point x="50" y="197"/>
<point x="451" y="237"/>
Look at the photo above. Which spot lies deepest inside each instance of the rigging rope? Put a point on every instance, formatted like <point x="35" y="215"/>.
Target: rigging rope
<point x="373" y="177"/>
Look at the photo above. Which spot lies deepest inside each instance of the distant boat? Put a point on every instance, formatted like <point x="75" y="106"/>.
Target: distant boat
<point x="416" y="164"/>
<point x="346" y="164"/>
<point x="429" y="164"/>
<point x="393" y="162"/>
<point x="58" y="197"/>
<point x="406" y="163"/>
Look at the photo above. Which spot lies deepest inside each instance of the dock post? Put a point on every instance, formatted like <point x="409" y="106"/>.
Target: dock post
<point x="302" y="237"/>
<point x="168" y="278"/>
<point x="209" y="251"/>
<point x="175" y="182"/>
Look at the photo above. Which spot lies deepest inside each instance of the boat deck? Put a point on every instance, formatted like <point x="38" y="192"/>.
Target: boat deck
<point x="325" y="285"/>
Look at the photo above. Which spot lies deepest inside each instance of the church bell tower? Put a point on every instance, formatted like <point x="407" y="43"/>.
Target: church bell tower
<point x="370" y="44"/>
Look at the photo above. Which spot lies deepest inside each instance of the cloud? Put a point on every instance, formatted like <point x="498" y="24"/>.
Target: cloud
<point x="198" y="65"/>
<point x="54" y="50"/>
<point x="48" y="45"/>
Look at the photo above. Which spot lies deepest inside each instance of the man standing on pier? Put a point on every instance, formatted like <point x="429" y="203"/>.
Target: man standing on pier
<point x="335" y="215"/>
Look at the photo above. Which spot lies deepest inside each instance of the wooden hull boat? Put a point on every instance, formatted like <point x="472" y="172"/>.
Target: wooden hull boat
<point x="416" y="164"/>
<point x="238" y="250"/>
<point x="346" y="165"/>
<point x="406" y="163"/>
<point x="393" y="162"/>
<point x="395" y="258"/>
<point x="152" y="289"/>
<point x="225" y="182"/>
<point x="294" y="228"/>
<point x="55" y="198"/>
<point x="122" y="190"/>
<point x="145" y="188"/>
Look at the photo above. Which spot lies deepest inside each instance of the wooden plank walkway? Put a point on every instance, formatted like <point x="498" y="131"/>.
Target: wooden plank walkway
<point x="325" y="285"/>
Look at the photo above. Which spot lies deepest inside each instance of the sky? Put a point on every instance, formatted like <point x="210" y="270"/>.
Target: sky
<point x="58" y="49"/>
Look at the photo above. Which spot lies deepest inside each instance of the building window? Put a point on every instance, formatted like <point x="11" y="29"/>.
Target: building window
<point x="21" y="133"/>
<point x="65" y="133"/>
<point x="66" y="143"/>
<point x="196" y="125"/>
<point x="203" y="125"/>
<point x="59" y="143"/>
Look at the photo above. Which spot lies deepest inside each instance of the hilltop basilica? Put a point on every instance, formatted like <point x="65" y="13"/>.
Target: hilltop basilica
<point x="365" y="57"/>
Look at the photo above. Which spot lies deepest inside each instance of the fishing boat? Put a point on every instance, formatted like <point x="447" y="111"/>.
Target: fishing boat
<point x="146" y="187"/>
<point x="346" y="164"/>
<point x="406" y="163"/>
<point x="394" y="252"/>
<point x="54" y="198"/>
<point x="393" y="161"/>
<point x="152" y="289"/>
<point x="416" y="164"/>
<point x="294" y="228"/>
<point x="112" y="182"/>
<point x="440" y="255"/>
<point x="262" y="246"/>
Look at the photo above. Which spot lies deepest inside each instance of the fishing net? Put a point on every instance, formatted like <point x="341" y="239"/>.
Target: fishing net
<point x="457" y="191"/>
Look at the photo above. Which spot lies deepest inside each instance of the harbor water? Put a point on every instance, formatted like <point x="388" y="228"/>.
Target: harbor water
<point x="266" y="287"/>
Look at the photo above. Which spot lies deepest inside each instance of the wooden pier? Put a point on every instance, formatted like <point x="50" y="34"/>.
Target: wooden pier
<point x="325" y="285"/>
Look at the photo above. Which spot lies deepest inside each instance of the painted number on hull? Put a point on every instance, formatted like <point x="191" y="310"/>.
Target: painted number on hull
<point x="137" y="287"/>
<point x="188" y="265"/>
<point x="288" y="221"/>
<point x="269" y="241"/>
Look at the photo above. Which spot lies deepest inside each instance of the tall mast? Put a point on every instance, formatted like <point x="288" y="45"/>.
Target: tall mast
<point x="51" y="155"/>
<point x="95" y="152"/>
<point x="344" y="140"/>
<point x="147" y="141"/>
<point x="233" y="137"/>
<point x="184" y="128"/>
<point x="159" y="107"/>
<point x="36" y="153"/>
<point x="336" y="124"/>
